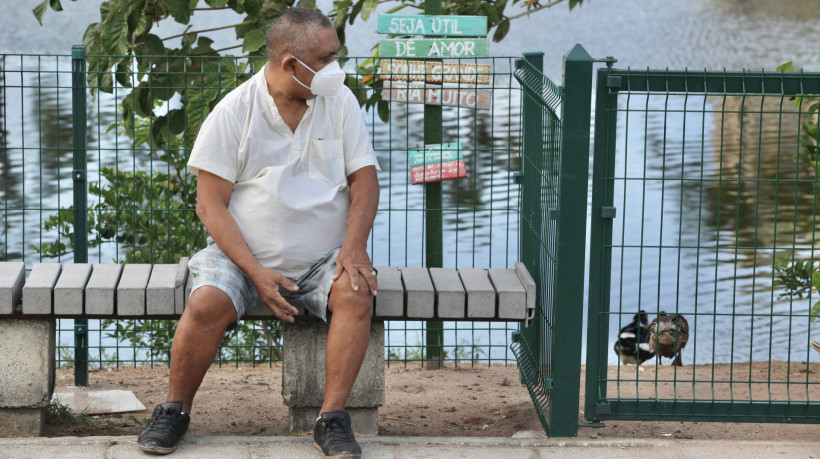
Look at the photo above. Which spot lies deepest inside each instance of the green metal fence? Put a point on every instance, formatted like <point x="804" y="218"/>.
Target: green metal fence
<point x="553" y="226"/>
<point x="141" y="198"/>
<point x="704" y="204"/>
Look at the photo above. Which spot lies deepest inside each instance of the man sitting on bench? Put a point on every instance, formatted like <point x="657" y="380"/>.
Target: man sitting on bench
<point x="288" y="192"/>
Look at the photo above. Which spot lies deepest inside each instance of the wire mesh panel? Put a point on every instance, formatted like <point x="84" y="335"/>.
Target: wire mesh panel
<point x="142" y="120"/>
<point x="704" y="216"/>
<point x="555" y="136"/>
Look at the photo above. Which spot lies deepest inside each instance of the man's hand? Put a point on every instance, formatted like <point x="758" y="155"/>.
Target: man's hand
<point x="267" y="283"/>
<point x="358" y="266"/>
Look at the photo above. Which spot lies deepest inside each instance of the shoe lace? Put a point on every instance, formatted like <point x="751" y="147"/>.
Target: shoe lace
<point x="338" y="430"/>
<point x="164" y="420"/>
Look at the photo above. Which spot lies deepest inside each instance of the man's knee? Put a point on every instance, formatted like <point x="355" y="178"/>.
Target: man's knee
<point x="210" y="305"/>
<point x="344" y="298"/>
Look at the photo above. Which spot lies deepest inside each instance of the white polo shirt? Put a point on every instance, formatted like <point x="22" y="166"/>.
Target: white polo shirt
<point x="290" y="193"/>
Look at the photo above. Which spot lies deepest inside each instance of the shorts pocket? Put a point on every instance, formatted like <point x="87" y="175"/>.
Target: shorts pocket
<point x="327" y="163"/>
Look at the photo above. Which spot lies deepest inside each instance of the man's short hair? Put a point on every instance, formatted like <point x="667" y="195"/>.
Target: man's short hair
<point x="292" y="32"/>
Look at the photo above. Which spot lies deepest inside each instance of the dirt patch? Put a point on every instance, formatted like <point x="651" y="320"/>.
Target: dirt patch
<point x="481" y="401"/>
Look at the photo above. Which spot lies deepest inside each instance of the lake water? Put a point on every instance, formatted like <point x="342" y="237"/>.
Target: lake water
<point x="695" y="34"/>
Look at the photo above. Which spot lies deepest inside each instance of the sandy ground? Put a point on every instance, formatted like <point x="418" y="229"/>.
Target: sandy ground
<point x="480" y="401"/>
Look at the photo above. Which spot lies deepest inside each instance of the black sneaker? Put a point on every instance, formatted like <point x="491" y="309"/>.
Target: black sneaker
<point x="332" y="434"/>
<point x="168" y="424"/>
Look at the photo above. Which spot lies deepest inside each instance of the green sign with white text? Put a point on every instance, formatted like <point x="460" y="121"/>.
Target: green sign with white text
<point x="448" y="26"/>
<point x="434" y="48"/>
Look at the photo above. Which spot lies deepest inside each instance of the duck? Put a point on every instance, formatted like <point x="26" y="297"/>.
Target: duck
<point x="668" y="335"/>
<point x="631" y="346"/>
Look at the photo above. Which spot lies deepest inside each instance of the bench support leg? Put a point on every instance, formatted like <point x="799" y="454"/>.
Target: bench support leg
<point x="303" y="377"/>
<point x="26" y="375"/>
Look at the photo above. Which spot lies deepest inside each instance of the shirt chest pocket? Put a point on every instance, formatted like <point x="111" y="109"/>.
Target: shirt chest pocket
<point x="327" y="162"/>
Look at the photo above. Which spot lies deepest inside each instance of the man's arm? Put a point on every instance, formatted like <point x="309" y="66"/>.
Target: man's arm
<point x="364" y="201"/>
<point x="213" y="194"/>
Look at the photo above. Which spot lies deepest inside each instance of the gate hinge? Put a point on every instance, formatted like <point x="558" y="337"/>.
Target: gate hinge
<point x="516" y="337"/>
<point x="554" y="214"/>
<point x="518" y="178"/>
<point x="609" y="60"/>
<point x="608" y="212"/>
<point x="603" y="408"/>
<point x="613" y="81"/>
<point x="548" y="383"/>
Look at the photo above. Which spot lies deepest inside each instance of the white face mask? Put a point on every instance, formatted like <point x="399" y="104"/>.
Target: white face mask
<point x="326" y="82"/>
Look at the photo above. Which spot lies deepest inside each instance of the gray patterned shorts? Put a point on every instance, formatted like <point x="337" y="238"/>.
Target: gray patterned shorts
<point x="211" y="266"/>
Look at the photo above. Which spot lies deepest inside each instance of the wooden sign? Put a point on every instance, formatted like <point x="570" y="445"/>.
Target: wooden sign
<point x="436" y="162"/>
<point x="434" y="72"/>
<point x="417" y="93"/>
<point x="449" y="26"/>
<point x="434" y="48"/>
<point x="435" y="153"/>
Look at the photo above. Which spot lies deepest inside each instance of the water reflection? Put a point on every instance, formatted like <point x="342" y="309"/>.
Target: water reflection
<point x="480" y="217"/>
<point x="710" y="193"/>
<point x="4" y="158"/>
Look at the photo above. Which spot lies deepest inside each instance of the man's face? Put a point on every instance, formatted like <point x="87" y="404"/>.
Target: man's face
<point x="323" y="52"/>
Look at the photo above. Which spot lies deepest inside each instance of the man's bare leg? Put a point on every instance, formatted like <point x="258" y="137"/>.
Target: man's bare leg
<point x="346" y="341"/>
<point x="196" y="342"/>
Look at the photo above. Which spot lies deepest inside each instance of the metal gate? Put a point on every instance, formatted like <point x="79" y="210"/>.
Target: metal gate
<point x="554" y="165"/>
<point x="705" y="204"/>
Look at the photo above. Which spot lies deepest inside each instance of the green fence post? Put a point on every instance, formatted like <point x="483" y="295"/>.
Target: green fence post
<point x="571" y="245"/>
<point x="600" y="245"/>
<point x="433" y="216"/>
<point x="78" y="104"/>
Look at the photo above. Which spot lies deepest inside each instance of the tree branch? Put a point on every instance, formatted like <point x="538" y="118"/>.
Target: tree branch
<point x="205" y="30"/>
<point x="225" y="49"/>
<point x="536" y="9"/>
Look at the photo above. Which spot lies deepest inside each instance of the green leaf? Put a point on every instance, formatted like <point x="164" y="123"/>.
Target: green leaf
<point x="383" y="108"/>
<point x="124" y="72"/>
<point x="253" y="7"/>
<point x="153" y="44"/>
<point x="179" y="10"/>
<point x="807" y="142"/>
<point x="368" y="7"/>
<point x="216" y="3"/>
<point x="809" y="128"/>
<point x="176" y="121"/>
<point x="91" y="39"/>
<point x="114" y="30"/>
<point x="310" y="4"/>
<point x="254" y="40"/>
<point x="491" y="13"/>
<point x="786" y="67"/>
<point x="501" y="30"/>
<point x="141" y="99"/>
<point x="815" y="312"/>
<point x="40" y="10"/>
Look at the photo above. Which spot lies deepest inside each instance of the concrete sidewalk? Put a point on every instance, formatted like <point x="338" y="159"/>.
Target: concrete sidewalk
<point x="412" y="447"/>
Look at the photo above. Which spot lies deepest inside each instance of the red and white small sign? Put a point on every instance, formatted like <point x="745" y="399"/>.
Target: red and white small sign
<point x="436" y="172"/>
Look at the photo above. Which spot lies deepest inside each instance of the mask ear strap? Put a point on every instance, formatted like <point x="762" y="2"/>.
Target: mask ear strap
<point x="304" y="65"/>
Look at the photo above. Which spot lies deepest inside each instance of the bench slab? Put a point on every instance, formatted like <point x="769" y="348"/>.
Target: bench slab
<point x="38" y="293"/>
<point x="162" y="291"/>
<point x="12" y="276"/>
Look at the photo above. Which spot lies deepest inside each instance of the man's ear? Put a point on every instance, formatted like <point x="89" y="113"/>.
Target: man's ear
<point x="288" y="64"/>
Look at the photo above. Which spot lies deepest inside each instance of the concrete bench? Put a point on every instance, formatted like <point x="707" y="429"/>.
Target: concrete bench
<point x="29" y="307"/>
